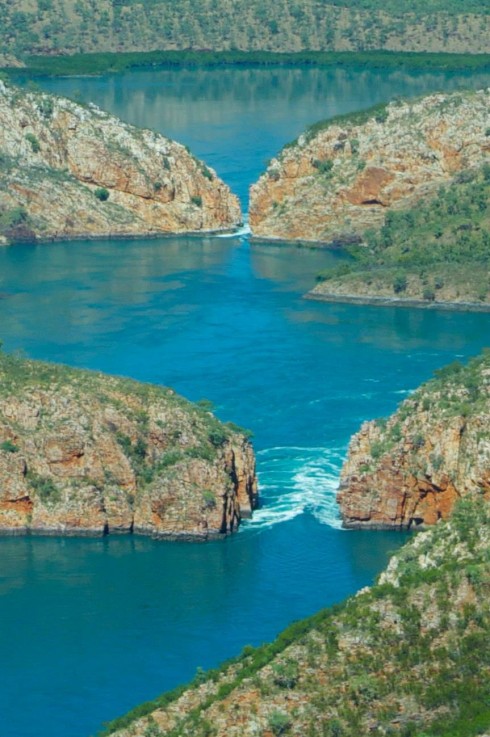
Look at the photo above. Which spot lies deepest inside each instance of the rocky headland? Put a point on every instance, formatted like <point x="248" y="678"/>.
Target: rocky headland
<point x="342" y="177"/>
<point x="408" y="656"/>
<point x="71" y="171"/>
<point x="411" y="468"/>
<point x="85" y="453"/>
<point x="433" y="255"/>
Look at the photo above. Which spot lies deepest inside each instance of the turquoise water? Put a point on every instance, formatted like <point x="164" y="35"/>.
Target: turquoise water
<point x="89" y="628"/>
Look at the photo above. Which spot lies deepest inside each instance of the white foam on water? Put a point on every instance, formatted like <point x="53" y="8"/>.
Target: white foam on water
<point x="297" y="480"/>
<point x="244" y="230"/>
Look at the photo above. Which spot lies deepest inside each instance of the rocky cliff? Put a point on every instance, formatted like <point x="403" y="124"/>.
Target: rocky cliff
<point x="411" y="468"/>
<point x="407" y="657"/>
<point x="342" y="177"/>
<point x="434" y="254"/>
<point x="85" y="453"/>
<point x="69" y="171"/>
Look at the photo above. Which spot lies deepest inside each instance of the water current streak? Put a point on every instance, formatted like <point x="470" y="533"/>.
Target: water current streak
<point x="296" y="480"/>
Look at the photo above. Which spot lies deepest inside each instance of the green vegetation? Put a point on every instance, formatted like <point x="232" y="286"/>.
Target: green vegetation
<point x="99" y="63"/>
<point x="408" y="657"/>
<point x="439" y="249"/>
<point x="102" y="194"/>
<point x="279" y="722"/>
<point x="457" y="396"/>
<point x="8" y="446"/>
<point x="64" y="27"/>
<point x="456" y="389"/>
<point x="45" y="488"/>
<point x="11" y="218"/>
<point x="33" y="141"/>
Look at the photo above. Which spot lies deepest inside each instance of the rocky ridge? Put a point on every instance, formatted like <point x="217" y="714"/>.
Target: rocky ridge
<point x="408" y="656"/>
<point x="71" y="26"/>
<point x="410" y="469"/>
<point x="343" y="176"/>
<point x="70" y="171"/>
<point x="85" y="453"/>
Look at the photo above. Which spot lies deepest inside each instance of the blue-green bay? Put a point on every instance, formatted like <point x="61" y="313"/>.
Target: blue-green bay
<point x="91" y="627"/>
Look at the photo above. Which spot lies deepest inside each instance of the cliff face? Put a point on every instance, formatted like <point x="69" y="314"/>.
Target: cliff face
<point x="69" y="171"/>
<point x="84" y="453"/>
<point x="342" y="177"/>
<point x="408" y="656"/>
<point x="432" y="255"/>
<point x="411" y="468"/>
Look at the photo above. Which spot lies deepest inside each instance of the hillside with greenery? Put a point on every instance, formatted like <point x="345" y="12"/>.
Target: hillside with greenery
<point x="436" y="252"/>
<point x="410" y="469"/>
<point x="410" y="656"/>
<point x="86" y="26"/>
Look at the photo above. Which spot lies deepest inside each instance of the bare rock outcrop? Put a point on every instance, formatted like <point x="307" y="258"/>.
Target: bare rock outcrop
<point x="75" y="171"/>
<point x="85" y="453"/>
<point x="409" y="470"/>
<point x="341" y="177"/>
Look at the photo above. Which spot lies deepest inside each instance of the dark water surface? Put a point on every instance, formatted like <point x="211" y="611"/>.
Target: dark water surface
<point x="89" y="628"/>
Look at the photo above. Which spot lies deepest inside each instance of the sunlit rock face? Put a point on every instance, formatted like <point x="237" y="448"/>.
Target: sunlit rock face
<point x="75" y="171"/>
<point x="85" y="453"/>
<point x="341" y="178"/>
<point x="410" y="469"/>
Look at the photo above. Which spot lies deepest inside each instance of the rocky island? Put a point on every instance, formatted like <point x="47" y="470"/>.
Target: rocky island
<point x="85" y="453"/>
<point x="70" y="171"/>
<point x="411" y="468"/>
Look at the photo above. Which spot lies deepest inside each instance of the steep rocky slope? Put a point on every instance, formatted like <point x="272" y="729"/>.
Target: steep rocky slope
<point x="411" y="468"/>
<point x="68" y="26"/>
<point x="343" y="176"/>
<point x="407" y="657"/>
<point x="68" y="170"/>
<point x="435" y="254"/>
<point x="84" y="453"/>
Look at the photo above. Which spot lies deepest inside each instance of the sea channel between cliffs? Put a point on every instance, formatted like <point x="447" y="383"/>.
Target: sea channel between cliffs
<point x="221" y="319"/>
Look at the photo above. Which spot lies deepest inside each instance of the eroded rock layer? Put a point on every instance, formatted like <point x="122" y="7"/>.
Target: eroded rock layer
<point x="85" y="453"/>
<point x="341" y="177"/>
<point x="70" y="171"/>
<point x="410" y="469"/>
